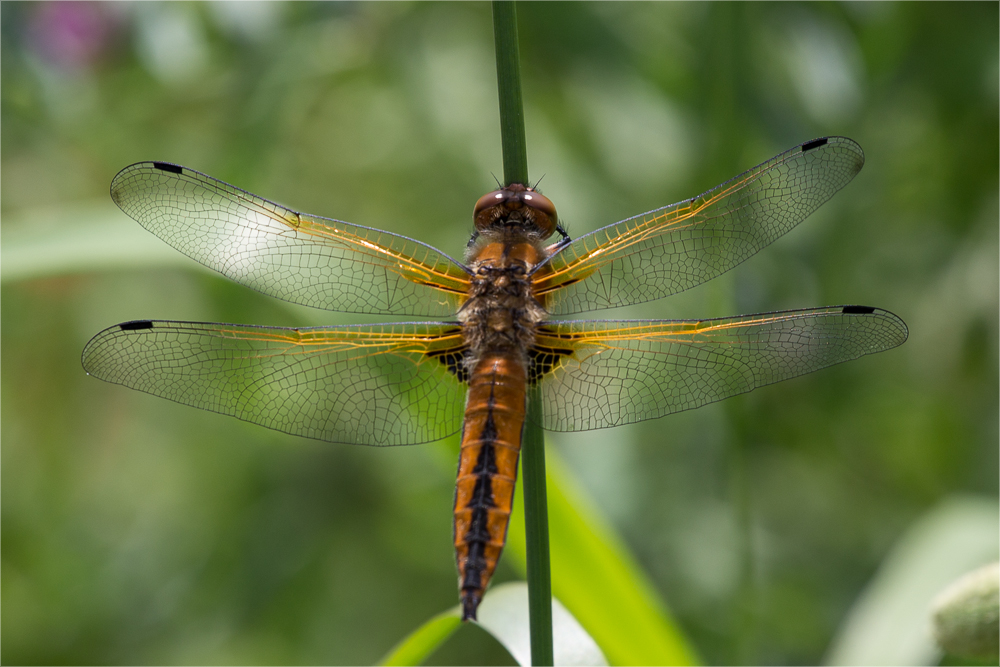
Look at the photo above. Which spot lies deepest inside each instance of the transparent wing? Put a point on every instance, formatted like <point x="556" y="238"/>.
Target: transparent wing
<point x="604" y="373"/>
<point x="370" y="385"/>
<point x="301" y="258"/>
<point x="677" y="247"/>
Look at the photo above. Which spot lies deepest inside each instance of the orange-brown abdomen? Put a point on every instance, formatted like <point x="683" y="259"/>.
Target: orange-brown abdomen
<point x="487" y="469"/>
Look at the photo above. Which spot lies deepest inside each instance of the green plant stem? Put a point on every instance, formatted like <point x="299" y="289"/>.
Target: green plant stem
<point x="536" y="533"/>
<point x="536" y="516"/>
<point x="515" y="154"/>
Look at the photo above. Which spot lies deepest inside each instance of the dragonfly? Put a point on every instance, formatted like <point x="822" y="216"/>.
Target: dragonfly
<point x="498" y="336"/>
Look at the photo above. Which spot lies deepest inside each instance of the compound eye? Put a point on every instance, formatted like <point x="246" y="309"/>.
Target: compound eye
<point x="488" y="201"/>
<point x="540" y="203"/>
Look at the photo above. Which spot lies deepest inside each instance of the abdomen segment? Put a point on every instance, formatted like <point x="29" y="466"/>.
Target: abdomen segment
<point x="487" y="470"/>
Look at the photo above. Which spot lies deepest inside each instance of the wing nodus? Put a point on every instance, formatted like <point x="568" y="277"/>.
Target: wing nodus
<point x="487" y="470"/>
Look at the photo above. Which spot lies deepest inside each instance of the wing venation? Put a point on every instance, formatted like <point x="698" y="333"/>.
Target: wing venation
<point x="621" y="372"/>
<point x="371" y="385"/>
<point x="677" y="247"/>
<point x="294" y="256"/>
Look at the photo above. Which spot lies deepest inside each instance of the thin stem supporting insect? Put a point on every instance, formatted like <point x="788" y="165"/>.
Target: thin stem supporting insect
<point x="536" y="528"/>
<point x="536" y="516"/>
<point x="515" y="154"/>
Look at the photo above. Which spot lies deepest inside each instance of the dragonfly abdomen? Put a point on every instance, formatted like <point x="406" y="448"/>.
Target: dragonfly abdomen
<point x="487" y="469"/>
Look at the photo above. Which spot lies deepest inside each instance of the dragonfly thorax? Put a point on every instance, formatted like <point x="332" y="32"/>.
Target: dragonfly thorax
<point x="501" y="313"/>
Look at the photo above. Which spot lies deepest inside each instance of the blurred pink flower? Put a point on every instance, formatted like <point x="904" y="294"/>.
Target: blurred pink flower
<point x="71" y="35"/>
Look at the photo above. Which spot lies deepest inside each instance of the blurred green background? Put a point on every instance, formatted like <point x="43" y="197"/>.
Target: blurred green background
<point x="135" y="530"/>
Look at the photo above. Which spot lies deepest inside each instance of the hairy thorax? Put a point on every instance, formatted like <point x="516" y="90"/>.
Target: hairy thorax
<point x="501" y="313"/>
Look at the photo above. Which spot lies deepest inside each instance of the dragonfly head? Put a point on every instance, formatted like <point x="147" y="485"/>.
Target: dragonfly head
<point x="516" y="206"/>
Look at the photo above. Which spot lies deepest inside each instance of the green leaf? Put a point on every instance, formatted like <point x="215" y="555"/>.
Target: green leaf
<point x="596" y="579"/>
<point x="504" y="614"/>
<point x="426" y="639"/>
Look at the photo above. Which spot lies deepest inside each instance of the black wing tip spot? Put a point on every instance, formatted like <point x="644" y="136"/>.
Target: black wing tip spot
<point x="857" y="310"/>
<point x="136" y="325"/>
<point x="815" y="143"/>
<point x="166" y="166"/>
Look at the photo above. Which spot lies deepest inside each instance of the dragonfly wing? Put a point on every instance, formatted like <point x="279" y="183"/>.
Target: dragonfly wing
<point x="604" y="373"/>
<point x="393" y="384"/>
<point x="301" y="258"/>
<point x="679" y="246"/>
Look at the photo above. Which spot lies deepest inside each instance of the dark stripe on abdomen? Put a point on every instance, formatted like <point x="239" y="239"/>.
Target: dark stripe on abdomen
<point x="487" y="471"/>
